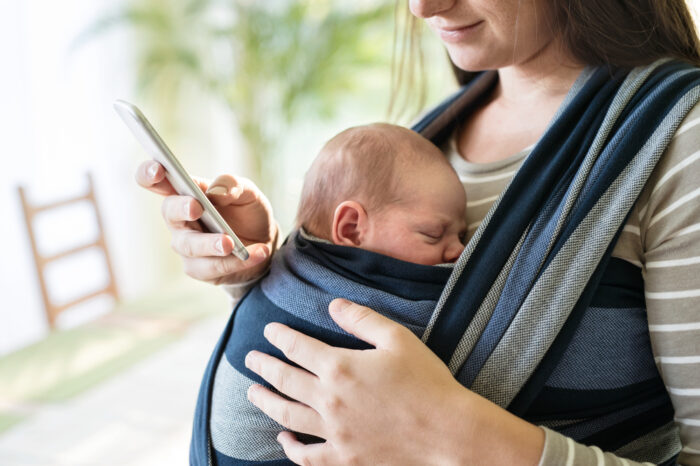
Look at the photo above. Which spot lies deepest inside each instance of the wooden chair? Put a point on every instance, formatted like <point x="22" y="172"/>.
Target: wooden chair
<point x="41" y="261"/>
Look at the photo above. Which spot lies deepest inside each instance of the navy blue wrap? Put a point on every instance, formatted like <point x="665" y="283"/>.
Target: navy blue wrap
<point x="305" y="276"/>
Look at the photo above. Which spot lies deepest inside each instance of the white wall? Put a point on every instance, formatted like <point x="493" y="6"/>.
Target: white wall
<point x="56" y="123"/>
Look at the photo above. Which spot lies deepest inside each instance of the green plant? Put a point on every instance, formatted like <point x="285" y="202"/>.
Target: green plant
<point x="271" y="61"/>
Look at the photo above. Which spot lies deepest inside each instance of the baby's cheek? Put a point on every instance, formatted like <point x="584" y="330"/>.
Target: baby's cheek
<point x="430" y="255"/>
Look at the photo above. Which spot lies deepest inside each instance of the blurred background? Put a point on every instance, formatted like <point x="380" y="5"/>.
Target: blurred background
<point x="246" y="87"/>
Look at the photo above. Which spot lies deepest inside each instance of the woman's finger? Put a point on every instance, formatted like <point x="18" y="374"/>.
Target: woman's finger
<point x="177" y="210"/>
<point x="151" y="175"/>
<point x="232" y="190"/>
<point x="201" y="182"/>
<point x="193" y="243"/>
<point x="304" y="350"/>
<point x="366" y="324"/>
<point x="223" y="185"/>
<point x="218" y="269"/>
<point x="290" y="414"/>
<point x="296" y="383"/>
<point x="315" y="453"/>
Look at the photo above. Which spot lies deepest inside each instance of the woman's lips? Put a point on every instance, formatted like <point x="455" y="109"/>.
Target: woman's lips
<point x="457" y="34"/>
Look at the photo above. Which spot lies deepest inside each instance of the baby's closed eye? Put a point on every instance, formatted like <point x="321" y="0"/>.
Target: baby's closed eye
<point x="431" y="237"/>
<point x="433" y="234"/>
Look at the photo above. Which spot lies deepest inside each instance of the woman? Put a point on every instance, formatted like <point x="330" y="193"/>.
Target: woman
<point x="400" y="404"/>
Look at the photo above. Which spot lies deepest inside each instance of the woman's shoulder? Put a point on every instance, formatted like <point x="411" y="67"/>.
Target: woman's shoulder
<point x="687" y="137"/>
<point x="671" y="197"/>
<point x="669" y="204"/>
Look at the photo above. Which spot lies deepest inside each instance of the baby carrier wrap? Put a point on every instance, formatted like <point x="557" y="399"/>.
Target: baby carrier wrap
<point x="306" y="275"/>
<point x="525" y="323"/>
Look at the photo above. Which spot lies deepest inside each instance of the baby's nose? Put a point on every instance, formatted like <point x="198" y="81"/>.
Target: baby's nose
<point x="453" y="251"/>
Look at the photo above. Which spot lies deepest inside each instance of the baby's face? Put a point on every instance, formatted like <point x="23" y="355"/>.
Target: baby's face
<point x="427" y="226"/>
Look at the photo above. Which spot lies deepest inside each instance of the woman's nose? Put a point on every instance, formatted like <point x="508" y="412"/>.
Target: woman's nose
<point x="453" y="251"/>
<point x="428" y="8"/>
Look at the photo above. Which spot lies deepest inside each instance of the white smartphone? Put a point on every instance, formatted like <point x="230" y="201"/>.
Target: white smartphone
<point x="175" y="172"/>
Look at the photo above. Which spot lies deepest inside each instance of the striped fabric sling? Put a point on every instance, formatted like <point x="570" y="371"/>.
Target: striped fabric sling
<point x="531" y="271"/>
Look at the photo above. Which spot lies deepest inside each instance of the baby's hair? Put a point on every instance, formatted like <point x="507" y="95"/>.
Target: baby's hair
<point x="359" y="164"/>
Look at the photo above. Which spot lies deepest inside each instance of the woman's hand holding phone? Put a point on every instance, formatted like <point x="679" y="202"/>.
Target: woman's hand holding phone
<point x="207" y="256"/>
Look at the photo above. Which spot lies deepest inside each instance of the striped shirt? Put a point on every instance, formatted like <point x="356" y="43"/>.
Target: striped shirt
<point x="662" y="237"/>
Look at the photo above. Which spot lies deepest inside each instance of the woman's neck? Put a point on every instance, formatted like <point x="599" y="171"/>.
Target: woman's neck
<point x="523" y="103"/>
<point x="547" y="76"/>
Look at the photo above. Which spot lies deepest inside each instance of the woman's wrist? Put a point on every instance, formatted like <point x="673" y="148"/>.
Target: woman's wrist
<point x="481" y="432"/>
<point x="457" y="427"/>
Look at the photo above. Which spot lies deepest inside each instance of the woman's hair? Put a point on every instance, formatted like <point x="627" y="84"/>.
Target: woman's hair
<point x="626" y="33"/>
<point x="620" y="33"/>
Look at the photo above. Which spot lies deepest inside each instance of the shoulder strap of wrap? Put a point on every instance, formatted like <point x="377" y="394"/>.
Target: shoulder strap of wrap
<point x="439" y="122"/>
<point x="533" y="263"/>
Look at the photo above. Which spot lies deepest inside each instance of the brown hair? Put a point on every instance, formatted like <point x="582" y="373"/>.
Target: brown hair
<point x="408" y="80"/>
<point x="626" y="33"/>
<point x="621" y="33"/>
<point x="359" y="164"/>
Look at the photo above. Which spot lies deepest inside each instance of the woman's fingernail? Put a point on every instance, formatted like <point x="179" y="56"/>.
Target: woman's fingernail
<point x="187" y="210"/>
<point x="262" y="253"/>
<point x="217" y="190"/>
<point x="248" y="360"/>
<point x="340" y="305"/>
<point x="153" y="170"/>
<point x="251" y="392"/>
<point x="219" y="246"/>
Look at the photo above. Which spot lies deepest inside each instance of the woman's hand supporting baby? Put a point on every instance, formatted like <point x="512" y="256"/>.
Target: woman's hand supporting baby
<point x="395" y="404"/>
<point x="207" y="256"/>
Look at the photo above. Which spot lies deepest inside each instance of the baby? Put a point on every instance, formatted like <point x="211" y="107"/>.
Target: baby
<point x="381" y="207"/>
<point x="385" y="188"/>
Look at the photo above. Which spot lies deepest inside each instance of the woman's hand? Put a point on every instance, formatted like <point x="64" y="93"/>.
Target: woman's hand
<point x="207" y="256"/>
<point x="396" y="404"/>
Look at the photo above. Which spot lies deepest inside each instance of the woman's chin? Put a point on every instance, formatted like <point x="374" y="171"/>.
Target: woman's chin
<point x="468" y="60"/>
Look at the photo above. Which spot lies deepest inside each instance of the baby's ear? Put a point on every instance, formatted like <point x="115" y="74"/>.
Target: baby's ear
<point x="349" y="224"/>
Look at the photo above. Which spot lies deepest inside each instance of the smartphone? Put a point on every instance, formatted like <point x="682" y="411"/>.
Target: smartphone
<point x="176" y="173"/>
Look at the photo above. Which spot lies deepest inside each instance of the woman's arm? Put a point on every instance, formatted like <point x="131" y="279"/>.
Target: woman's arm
<point x="207" y="256"/>
<point x="396" y="404"/>
<point x="668" y="216"/>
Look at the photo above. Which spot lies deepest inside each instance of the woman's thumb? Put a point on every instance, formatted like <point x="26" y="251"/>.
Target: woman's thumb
<point x="364" y="323"/>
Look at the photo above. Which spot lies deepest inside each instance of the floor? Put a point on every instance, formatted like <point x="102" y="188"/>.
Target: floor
<point x="140" y="416"/>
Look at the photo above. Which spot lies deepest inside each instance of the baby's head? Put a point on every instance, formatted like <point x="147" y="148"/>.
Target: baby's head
<point x="386" y="189"/>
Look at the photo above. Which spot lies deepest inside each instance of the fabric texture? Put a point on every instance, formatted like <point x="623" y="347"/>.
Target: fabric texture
<point x="509" y="313"/>
<point x="662" y="240"/>
<point x="497" y="318"/>
<point x="305" y="276"/>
